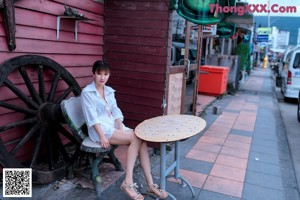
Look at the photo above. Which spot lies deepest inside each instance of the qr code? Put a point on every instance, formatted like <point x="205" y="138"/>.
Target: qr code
<point x="17" y="182"/>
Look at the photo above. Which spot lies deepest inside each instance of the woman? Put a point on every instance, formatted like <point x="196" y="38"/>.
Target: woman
<point x="105" y="126"/>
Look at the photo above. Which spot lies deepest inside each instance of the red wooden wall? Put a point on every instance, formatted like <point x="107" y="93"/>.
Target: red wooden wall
<point x="36" y="34"/>
<point x="135" y="45"/>
<point x="36" y="23"/>
<point x="132" y="35"/>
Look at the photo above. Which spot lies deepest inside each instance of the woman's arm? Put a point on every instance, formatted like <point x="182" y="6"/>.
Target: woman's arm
<point x="103" y="140"/>
<point x="119" y="124"/>
<point x="90" y="113"/>
<point x="115" y="110"/>
<point x="88" y="103"/>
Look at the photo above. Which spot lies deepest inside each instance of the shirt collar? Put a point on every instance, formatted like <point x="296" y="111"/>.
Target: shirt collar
<point x="92" y="87"/>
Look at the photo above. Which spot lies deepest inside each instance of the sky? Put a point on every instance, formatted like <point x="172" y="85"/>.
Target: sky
<point x="284" y="4"/>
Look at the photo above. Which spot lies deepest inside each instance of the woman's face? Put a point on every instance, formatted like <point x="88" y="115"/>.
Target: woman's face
<point x="101" y="77"/>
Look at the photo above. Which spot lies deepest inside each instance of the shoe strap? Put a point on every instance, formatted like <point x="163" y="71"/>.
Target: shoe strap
<point x="133" y="186"/>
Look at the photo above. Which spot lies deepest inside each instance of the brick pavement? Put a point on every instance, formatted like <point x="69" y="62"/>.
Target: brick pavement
<point x="242" y="154"/>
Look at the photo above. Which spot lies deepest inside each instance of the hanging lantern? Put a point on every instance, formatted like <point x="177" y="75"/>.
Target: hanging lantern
<point x="202" y="11"/>
<point x="198" y="11"/>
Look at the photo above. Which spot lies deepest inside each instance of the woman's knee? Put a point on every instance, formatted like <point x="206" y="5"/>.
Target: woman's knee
<point x="144" y="144"/>
<point x="134" y="138"/>
<point x="138" y="140"/>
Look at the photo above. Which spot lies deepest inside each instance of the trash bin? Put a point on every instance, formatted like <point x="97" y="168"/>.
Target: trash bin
<point x="212" y="80"/>
<point x="233" y="64"/>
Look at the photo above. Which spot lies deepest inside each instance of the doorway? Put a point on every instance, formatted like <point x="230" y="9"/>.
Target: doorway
<point x="184" y="67"/>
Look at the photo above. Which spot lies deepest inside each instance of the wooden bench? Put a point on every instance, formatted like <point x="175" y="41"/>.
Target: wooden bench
<point x="73" y="114"/>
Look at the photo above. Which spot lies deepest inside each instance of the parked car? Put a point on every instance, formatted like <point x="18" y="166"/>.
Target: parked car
<point x="291" y="75"/>
<point x="286" y="54"/>
<point x="176" y="57"/>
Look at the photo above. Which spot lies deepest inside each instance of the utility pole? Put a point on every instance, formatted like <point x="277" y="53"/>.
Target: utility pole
<point x="265" y="62"/>
<point x="269" y="14"/>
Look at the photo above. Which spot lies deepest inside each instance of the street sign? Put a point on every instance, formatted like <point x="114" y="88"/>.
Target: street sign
<point x="262" y="38"/>
<point x="264" y="31"/>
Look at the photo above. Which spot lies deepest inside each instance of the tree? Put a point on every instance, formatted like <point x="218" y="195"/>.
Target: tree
<point x="243" y="50"/>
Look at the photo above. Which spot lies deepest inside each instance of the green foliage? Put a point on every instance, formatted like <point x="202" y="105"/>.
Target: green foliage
<point x="243" y="50"/>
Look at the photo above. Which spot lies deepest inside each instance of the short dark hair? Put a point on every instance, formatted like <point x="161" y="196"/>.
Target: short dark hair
<point x="100" y="65"/>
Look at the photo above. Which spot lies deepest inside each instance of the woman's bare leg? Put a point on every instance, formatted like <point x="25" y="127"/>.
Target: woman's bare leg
<point x="134" y="143"/>
<point x="146" y="166"/>
<point x="145" y="162"/>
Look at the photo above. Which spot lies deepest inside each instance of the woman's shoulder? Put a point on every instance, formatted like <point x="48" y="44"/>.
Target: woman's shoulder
<point x="90" y="87"/>
<point x="108" y="89"/>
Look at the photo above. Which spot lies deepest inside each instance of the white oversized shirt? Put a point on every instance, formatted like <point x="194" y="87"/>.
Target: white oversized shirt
<point x="98" y="111"/>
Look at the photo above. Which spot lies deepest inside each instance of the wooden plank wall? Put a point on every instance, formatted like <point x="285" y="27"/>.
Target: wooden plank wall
<point x="135" y="45"/>
<point x="36" y="34"/>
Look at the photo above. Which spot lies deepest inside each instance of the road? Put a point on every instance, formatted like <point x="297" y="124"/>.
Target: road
<point x="288" y="111"/>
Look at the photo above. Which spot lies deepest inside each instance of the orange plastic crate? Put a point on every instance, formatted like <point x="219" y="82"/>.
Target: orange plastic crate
<point x="213" y="80"/>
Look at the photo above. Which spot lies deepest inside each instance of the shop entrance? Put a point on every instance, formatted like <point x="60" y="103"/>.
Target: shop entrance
<point x="184" y="67"/>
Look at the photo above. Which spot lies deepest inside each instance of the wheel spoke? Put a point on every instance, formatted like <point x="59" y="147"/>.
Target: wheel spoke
<point x="41" y="83"/>
<point x="64" y="95"/>
<point x="17" y="108"/>
<point x="67" y="134"/>
<point x="29" y="85"/>
<point x="37" y="147"/>
<point x="50" y="149"/>
<point x="61" y="147"/>
<point x="27" y="136"/>
<point x="7" y="160"/>
<point x="20" y="94"/>
<point x="54" y="86"/>
<point x="19" y="123"/>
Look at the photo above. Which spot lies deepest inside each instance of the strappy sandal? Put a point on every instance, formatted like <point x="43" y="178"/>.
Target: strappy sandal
<point x="131" y="191"/>
<point x="161" y="194"/>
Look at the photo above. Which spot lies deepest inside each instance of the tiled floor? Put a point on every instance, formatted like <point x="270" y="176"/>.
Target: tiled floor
<point x="229" y="153"/>
<point x="237" y="150"/>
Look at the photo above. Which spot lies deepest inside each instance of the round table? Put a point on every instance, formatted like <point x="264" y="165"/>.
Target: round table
<point x="170" y="128"/>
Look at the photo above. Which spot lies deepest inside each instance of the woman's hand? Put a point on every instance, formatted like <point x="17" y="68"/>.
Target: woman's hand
<point x="104" y="142"/>
<point x="119" y="124"/>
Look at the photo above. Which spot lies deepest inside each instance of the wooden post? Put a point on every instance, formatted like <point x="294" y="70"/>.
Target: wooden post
<point x="198" y="61"/>
<point x="229" y="50"/>
<point x="222" y="45"/>
<point x="8" y="10"/>
<point x="186" y="54"/>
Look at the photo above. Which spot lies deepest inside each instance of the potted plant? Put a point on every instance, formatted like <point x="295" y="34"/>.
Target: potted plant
<point x="243" y="50"/>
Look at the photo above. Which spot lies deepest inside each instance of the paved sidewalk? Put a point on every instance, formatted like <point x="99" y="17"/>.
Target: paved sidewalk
<point x="242" y="154"/>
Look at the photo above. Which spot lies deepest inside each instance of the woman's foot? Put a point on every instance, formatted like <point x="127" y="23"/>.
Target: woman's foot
<point x="131" y="191"/>
<point x="155" y="190"/>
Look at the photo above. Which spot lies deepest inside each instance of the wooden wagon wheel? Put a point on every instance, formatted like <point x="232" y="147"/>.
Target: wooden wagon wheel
<point x="31" y="134"/>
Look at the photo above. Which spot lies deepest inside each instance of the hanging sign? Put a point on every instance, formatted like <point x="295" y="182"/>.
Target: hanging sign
<point x="225" y="30"/>
<point x="262" y="38"/>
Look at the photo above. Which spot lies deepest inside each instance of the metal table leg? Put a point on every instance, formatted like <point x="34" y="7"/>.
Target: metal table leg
<point x="163" y="171"/>
<point x="174" y="167"/>
<point x="177" y="172"/>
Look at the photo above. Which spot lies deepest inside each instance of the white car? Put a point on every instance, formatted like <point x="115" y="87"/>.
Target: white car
<point x="291" y="75"/>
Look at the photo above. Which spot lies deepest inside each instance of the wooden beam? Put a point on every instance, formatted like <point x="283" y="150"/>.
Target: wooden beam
<point x="8" y="11"/>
